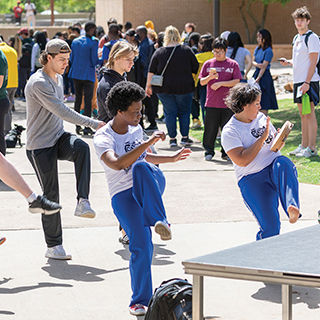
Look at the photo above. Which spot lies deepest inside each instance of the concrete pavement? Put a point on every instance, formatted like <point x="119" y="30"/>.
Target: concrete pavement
<point x="207" y="214"/>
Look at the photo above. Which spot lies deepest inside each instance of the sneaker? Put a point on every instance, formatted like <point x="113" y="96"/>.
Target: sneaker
<point x="43" y="205"/>
<point x="83" y="209"/>
<point x="186" y="141"/>
<point x="78" y="130"/>
<point x="151" y="128"/>
<point x="88" y="131"/>
<point x="137" y="310"/>
<point x="58" y="253"/>
<point x="306" y="153"/>
<point x="70" y="98"/>
<point x="161" y="120"/>
<point x="298" y="150"/>
<point x="163" y="229"/>
<point x="225" y="157"/>
<point x="196" y="124"/>
<point x="124" y="239"/>
<point x="2" y="240"/>
<point x="208" y="157"/>
<point x="173" y="142"/>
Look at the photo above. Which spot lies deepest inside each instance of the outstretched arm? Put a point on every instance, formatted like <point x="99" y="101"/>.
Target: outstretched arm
<point x="177" y="156"/>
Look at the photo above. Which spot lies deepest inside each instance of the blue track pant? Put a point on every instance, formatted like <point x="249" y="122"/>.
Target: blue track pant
<point x="137" y="209"/>
<point x="261" y="192"/>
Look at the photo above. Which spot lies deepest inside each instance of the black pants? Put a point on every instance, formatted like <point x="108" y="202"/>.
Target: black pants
<point x="45" y="163"/>
<point x="150" y="104"/>
<point x="24" y="74"/>
<point x="83" y="87"/>
<point x="4" y="107"/>
<point x="215" y="118"/>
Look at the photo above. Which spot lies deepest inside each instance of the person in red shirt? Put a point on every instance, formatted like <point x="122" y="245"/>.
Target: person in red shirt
<point x="17" y="13"/>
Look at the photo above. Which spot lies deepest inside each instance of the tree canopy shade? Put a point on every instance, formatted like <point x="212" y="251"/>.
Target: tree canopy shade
<point x="259" y="21"/>
<point x="59" y="5"/>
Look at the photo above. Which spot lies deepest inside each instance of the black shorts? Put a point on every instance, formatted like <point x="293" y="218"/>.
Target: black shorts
<point x="314" y="85"/>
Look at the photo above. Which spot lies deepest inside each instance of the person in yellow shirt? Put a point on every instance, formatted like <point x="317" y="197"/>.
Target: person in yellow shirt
<point x="12" y="85"/>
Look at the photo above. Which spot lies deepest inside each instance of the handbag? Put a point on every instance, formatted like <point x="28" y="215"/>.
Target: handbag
<point x="157" y="80"/>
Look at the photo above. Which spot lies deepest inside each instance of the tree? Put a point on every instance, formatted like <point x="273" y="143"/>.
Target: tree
<point x="258" y="24"/>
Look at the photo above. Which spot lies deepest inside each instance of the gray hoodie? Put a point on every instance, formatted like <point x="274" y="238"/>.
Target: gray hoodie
<point x="46" y="111"/>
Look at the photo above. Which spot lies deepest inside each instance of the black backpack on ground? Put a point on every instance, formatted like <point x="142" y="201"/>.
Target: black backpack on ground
<point x="25" y="60"/>
<point x="171" y="301"/>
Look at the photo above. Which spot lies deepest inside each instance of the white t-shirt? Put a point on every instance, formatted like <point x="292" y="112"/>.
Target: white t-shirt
<point x="105" y="140"/>
<point x="237" y="134"/>
<point x="29" y="9"/>
<point x="301" y="60"/>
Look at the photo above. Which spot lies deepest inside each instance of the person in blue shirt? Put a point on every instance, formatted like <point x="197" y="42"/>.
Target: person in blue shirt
<point x="83" y="59"/>
<point x="113" y="35"/>
<point x="262" y="57"/>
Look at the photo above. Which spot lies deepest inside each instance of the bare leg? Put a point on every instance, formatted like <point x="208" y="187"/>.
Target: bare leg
<point x="304" y="128"/>
<point x="312" y="128"/>
<point x="10" y="175"/>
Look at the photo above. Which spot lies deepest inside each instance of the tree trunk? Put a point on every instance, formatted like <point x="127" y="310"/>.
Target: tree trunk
<point x="245" y="21"/>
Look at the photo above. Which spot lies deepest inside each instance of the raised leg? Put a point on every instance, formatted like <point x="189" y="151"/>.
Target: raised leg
<point x="197" y="298"/>
<point x="286" y="302"/>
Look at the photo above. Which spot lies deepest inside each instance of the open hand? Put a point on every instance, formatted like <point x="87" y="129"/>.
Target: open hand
<point x="181" y="154"/>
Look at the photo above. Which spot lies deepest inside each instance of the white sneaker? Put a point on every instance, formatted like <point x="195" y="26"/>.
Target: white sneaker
<point x="306" y="153"/>
<point x="83" y="209"/>
<point x="137" y="310"/>
<point x="296" y="151"/>
<point x="58" y="253"/>
<point x="163" y="229"/>
<point x="208" y="157"/>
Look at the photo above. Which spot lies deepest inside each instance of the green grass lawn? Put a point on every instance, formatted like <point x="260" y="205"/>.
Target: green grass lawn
<point x="308" y="168"/>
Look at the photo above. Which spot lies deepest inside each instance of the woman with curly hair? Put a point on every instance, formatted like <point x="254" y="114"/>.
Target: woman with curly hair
<point x="135" y="183"/>
<point x="263" y="176"/>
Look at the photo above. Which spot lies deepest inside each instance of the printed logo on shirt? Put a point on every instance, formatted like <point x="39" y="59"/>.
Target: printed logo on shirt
<point x="130" y="145"/>
<point x="221" y="69"/>
<point x="257" y="133"/>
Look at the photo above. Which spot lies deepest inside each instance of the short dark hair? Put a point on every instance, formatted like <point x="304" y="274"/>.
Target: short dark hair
<point x="127" y="25"/>
<point x="111" y="20"/>
<point x="241" y="95"/>
<point x="206" y="41"/>
<point x="143" y="29"/>
<point x="302" y="13"/>
<point x="114" y="29"/>
<point x="76" y="29"/>
<point x="121" y="96"/>
<point x="195" y="36"/>
<point x="89" y="25"/>
<point x="219" y="43"/>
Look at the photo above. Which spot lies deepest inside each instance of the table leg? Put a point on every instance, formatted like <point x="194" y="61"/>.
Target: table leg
<point x="197" y="298"/>
<point x="286" y="302"/>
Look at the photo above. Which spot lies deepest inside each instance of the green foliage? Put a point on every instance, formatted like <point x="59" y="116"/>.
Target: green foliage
<point x="308" y="168"/>
<point x="59" y="5"/>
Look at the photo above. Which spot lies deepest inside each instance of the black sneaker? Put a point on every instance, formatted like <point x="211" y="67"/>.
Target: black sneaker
<point x="43" y="205"/>
<point x="186" y="142"/>
<point x="173" y="142"/>
<point x="151" y="128"/>
<point x="78" y="130"/>
<point x="88" y="131"/>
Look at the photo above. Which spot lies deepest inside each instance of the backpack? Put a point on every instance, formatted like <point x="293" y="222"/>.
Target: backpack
<point x="25" y="60"/>
<point x="171" y="301"/>
<point x="308" y="34"/>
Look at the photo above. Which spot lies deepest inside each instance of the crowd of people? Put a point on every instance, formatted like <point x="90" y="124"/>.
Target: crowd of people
<point x="116" y="80"/>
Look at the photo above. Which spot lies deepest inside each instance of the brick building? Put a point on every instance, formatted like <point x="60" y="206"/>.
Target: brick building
<point x="201" y="13"/>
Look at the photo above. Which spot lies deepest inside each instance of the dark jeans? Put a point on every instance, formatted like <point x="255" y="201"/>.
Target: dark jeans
<point x="8" y="117"/>
<point x="68" y="82"/>
<point x="45" y="163"/>
<point x="83" y="87"/>
<point x="177" y="106"/>
<point x="4" y="107"/>
<point x="24" y="74"/>
<point x="215" y="118"/>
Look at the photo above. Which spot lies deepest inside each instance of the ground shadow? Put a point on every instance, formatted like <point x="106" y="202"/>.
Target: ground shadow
<point x="272" y="293"/>
<point x="4" y="187"/>
<point x="7" y="313"/>
<point x="62" y="270"/>
<point x="160" y="254"/>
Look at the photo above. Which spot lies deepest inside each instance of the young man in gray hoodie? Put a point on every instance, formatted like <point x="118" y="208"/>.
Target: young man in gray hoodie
<point x="47" y="142"/>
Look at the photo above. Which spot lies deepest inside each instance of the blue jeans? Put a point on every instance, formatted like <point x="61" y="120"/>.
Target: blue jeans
<point x="176" y="105"/>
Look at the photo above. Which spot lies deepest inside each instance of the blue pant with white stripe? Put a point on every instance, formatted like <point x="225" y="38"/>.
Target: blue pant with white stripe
<point x="261" y="192"/>
<point x="137" y="209"/>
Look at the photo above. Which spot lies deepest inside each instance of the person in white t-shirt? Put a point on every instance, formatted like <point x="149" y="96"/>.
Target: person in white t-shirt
<point x="263" y="176"/>
<point x="135" y="183"/>
<point x="30" y="7"/>
<point x="305" y="56"/>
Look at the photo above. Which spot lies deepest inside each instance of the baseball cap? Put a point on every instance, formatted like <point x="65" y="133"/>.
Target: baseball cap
<point x="57" y="46"/>
<point x="23" y="30"/>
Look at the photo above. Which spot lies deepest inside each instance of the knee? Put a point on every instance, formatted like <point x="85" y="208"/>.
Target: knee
<point x="140" y="168"/>
<point x="283" y="162"/>
<point x="81" y="147"/>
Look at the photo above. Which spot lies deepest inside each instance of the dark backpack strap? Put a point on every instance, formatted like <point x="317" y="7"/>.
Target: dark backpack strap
<point x="294" y="39"/>
<point x="308" y="34"/>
